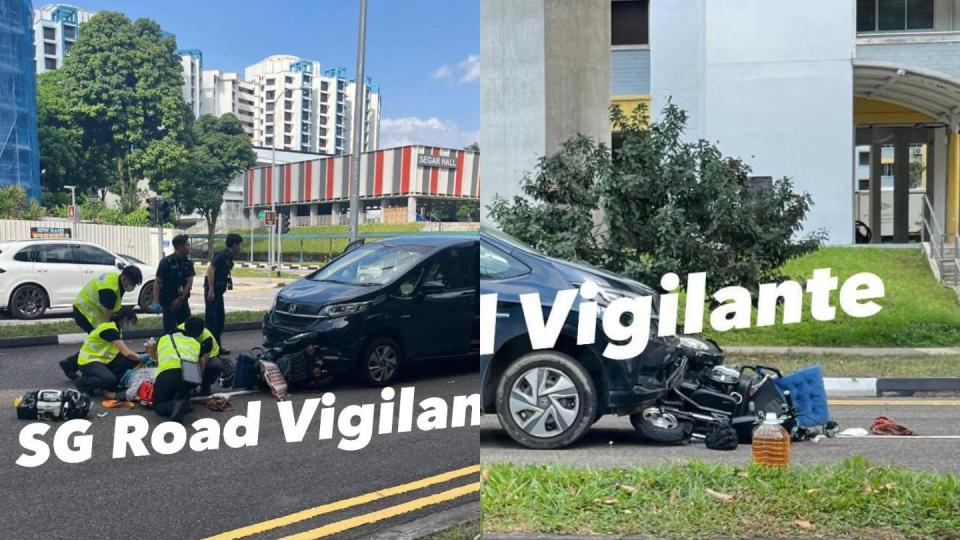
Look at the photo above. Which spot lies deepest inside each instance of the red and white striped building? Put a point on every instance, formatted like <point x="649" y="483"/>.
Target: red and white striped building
<point x="408" y="176"/>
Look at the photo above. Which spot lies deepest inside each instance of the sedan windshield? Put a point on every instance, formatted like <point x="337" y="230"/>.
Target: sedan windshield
<point x="509" y="240"/>
<point x="372" y="264"/>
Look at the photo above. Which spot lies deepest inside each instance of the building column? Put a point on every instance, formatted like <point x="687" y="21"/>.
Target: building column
<point x="335" y="214"/>
<point x="314" y="211"/>
<point x="953" y="185"/>
<point x="546" y="79"/>
<point x="411" y="209"/>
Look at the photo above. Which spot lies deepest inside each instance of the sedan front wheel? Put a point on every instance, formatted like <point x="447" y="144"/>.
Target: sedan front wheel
<point x="546" y="400"/>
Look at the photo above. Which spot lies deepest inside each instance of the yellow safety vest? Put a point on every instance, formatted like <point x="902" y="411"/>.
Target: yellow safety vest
<point x="97" y="349"/>
<point x="215" y="351"/>
<point x="88" y="301"/>
<point x="167" y="357"/>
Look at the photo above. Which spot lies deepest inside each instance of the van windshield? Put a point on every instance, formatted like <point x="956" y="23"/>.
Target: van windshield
<point x="372" y="264"/>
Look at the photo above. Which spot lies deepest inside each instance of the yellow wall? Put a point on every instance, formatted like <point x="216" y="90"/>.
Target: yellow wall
<point x="869" y="111"/>
<point x="628" y="103"/>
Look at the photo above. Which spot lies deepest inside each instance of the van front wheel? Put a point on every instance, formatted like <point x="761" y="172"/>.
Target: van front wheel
<point x="546" y="400"/>
<point x="380" y="363"/>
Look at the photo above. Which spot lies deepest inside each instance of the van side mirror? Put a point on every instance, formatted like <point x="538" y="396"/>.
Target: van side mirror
<point x="432" y="287"/>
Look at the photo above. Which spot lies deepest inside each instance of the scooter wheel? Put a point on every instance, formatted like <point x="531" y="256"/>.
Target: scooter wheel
<point x="662" y="427"/>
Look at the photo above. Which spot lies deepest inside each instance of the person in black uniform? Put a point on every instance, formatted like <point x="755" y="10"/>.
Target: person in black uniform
<point x="174" y="280"/>
<point x="215" y="285"/>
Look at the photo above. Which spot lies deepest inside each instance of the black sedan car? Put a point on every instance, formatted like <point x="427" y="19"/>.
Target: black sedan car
<point x="386" y="305"/>
<point x="549" y="398"/>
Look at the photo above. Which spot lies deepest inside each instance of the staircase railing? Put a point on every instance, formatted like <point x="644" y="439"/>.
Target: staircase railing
<point x="932" y="232"/>
<point x="955" y="261"/>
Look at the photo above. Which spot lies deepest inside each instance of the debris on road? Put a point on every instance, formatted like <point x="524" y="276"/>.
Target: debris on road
<point x="884" y="425"/>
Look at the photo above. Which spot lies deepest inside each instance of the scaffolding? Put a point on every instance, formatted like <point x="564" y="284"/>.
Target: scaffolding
<point x="19" y="145"/>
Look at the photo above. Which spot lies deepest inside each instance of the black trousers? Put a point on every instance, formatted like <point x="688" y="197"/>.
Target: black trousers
<point x="173" y="318"/>
<point x="105" y="377"/>
<point x="215" y="316"/>
<point x="82" y="321"/>
<point x="169" y="386"/>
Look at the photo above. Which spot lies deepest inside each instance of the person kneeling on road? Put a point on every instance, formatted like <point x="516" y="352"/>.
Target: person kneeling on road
<point x="171" y="393"/>
<point x="209" y="356"/>
<point x="99" y="299"/>
<point x="104" y="357"/>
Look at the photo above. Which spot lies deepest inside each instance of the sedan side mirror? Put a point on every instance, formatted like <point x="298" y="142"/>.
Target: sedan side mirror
<point x="432" y="287"/>
<point x="121" y="265"/>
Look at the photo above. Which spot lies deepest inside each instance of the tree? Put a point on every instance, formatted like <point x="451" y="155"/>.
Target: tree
<point x="467" y="211"/>
<point x="658" y="204"/>
<point x="14" y="204"/>
<point x="67" y="155"/>
<point x="123" y="82"/>
<point x="220" y="150"/>
<point x="473" y="147"/>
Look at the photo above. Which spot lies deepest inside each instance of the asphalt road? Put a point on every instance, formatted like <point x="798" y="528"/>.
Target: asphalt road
<point x="613" y="443"/>
<point x="199" y="494"/>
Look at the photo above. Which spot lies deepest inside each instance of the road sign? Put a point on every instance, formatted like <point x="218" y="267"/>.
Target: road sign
<point x="59" y="233"/>
<point x="260" y="215"/>
<point x="71" y="211"/>
<point x="270" y="218"/>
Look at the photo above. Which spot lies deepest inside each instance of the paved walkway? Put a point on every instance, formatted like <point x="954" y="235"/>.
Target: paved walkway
<point x="850" y="351"/>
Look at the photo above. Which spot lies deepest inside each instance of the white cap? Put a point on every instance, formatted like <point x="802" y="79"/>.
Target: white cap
<point x="772" y="419"/>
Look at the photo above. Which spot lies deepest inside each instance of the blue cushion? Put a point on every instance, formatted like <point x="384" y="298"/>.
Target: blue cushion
<point x="809" y="395"/>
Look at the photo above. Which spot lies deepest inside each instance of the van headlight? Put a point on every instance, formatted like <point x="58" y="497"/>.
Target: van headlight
<point x="342" y="310"/>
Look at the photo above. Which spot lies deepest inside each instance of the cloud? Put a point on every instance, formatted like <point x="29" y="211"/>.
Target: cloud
<point x="428" y="131"/>
<point x="468" y="70"/>
<point x="470" y="66"/>
<point x="442" y="73"/>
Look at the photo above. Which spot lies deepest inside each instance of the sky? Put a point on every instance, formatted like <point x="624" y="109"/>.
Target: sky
<point x="424" y="54"/>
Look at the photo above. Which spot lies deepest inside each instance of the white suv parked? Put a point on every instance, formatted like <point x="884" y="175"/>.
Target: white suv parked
<point x="37" y="275"/>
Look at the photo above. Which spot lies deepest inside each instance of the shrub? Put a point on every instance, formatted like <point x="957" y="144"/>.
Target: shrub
<point x="658" y="204"/>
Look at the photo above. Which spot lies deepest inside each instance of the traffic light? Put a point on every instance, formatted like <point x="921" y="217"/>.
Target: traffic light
<point x="153" y="209"/>
<point x="284" y="224"/>
<point x="160" y="210"/>
<point x="166" y="210"/>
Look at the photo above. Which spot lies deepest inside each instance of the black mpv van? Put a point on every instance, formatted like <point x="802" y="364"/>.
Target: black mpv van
<point x="387" y="305"/>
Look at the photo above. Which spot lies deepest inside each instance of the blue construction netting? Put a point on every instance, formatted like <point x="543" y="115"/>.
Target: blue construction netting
<point x="19" y="146"/>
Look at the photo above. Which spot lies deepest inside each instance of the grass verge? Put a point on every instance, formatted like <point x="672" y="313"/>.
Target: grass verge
<point x="69" y="327"/>
<point x="917" y="310"/>
<point x="835" y="365"/>
<point x="319" y="246"/>
<point x="467" y="531"/>
<point x="239" y="272"/>
<point x="852" y="499"/>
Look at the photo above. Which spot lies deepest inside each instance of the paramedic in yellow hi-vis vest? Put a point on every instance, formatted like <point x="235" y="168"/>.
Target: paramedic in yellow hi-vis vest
<point x="103" y="296"/>
<point x="171" y="394"/>
<point x="97" y="302"/>
<point x="104" y="357"/>
<point x="209" y="358"/>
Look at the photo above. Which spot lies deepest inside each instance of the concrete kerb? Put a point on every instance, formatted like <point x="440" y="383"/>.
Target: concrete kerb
<point x="76" y="339"/>
<point x="432" y="524"/>
<point x="848" y="351"/>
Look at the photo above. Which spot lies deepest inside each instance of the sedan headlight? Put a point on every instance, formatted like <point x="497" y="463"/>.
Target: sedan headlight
<point x="693" y="344"/>
<point x="342" y="310"/>
<point x="607" y="295"/>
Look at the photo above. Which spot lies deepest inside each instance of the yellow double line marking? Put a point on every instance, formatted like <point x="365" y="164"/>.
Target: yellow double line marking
<point x="364" y="519"/>
<point x="903" y="402"/>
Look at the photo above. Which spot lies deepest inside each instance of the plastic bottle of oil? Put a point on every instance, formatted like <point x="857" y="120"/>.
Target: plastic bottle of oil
<point x="771" y="443"/>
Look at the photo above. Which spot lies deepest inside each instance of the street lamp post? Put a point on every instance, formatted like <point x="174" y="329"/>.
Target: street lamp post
<point x="274" y="241"/>
<point x="359" y="110"/>
<point x="73" y="203"/>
